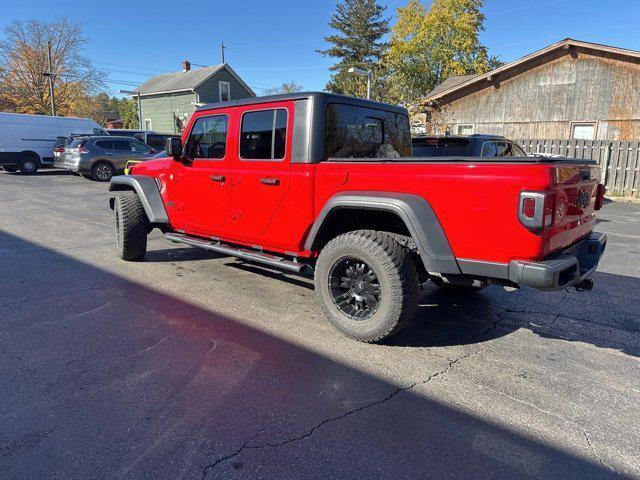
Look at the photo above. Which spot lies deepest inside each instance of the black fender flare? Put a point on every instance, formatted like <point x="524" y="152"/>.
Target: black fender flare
<point x="147" y="190"/>
<point x="413" y="210"/>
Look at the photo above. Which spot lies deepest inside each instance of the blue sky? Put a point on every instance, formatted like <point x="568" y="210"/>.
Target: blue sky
<point x="270" y="42"/>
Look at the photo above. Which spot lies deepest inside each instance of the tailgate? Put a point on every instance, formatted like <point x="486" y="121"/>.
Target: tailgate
<point x="576" y="190"/>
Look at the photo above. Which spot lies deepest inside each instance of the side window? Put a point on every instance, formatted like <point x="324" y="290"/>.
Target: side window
<point x="489" y="149"/>
<point x="263" y="135"/>
<point x="121" y="146"/>
<point x="516" y="151"/>
<point x="503" y="149"/>
<point x="139" y="147"/>
<point x="208" y="137"/>
<point x="155" y="141"/>
<point x="106" y="144"/>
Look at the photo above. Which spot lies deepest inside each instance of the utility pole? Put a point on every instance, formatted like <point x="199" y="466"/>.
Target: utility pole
<point x="222" y="47"/>
<point x="51" y="76"/>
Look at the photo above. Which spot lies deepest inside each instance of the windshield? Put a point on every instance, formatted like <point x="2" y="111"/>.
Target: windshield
<point x="360" y="132"/>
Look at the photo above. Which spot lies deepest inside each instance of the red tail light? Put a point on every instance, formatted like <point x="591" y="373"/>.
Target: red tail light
<point x="536" y="209"/>
<point x="58" y="150"/>
<point x="600" y="191"/>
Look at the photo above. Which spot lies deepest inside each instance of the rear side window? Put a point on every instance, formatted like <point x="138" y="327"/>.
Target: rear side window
<point x="263" y="135"/>
<point x="78" y="143"/>
<point x="360" y="132"/>
<point x="106" y="144"/>
<point x="440" y="147"/>
<point x="208" y="137"/>
<point x="121" y="146"/>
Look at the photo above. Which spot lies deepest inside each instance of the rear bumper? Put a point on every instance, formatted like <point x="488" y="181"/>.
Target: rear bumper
<point x="565" y="269"/>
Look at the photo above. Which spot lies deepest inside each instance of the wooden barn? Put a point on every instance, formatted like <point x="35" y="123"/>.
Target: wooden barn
<point x="568" y="90"/>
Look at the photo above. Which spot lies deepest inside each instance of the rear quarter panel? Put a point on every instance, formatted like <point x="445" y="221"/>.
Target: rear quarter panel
<point x="476" y="203"/>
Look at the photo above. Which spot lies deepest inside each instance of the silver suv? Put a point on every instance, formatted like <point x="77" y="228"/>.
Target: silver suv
<point x="101" y="158"/>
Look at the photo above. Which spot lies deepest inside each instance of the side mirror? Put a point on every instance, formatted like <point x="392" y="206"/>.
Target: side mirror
<point x="174" y="148"/>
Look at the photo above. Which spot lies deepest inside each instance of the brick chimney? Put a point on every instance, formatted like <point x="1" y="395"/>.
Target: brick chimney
<point x="186" y="66"/>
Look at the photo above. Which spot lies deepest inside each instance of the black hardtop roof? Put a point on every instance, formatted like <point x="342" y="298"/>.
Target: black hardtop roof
<point x="322" y="97"/>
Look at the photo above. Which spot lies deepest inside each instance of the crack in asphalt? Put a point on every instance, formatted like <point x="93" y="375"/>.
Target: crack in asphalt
<point x="595" y="453"/>
<point x="246" y="445"/>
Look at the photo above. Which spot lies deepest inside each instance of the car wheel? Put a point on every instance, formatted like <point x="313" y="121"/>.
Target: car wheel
<point x="102" y="171"/>
<point x="131" y="226"/>
<point x="29" y="165"/>
<point x="367" y="284"/>
<point x="10" y="169"/>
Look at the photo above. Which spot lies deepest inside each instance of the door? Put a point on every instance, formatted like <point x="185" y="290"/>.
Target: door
<point x="260" y="171"/>
<point x="198" y="187"/>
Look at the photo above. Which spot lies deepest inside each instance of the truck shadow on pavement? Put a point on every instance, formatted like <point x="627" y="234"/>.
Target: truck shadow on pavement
<point x="102" y="377"/>
<point x="607" y="317"/>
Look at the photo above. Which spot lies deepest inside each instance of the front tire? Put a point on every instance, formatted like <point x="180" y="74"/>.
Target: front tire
<point x="131" y="227"/>
<point x="367" y="284"/>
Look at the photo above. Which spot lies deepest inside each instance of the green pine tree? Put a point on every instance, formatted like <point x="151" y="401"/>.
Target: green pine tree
<point x="359" y="41"/>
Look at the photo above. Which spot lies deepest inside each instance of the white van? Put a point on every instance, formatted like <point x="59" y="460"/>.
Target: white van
<point x="26" y="141"/>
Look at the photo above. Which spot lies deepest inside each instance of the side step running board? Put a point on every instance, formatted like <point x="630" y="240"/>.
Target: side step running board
<point x="243" y="253"/>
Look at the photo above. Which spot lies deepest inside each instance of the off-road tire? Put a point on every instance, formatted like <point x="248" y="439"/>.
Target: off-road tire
<point x="10" y="169"/>
<point x="29" y="165"/>
<point x="131" y="227"/>
<point x="453" y="288"/>
<point x="102" y="172"/>
<point x="398" y="278"/>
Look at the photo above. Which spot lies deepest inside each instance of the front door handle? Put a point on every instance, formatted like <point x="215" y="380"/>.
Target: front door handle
<point x="218" y="178"/>
<point x="270" y="181"/>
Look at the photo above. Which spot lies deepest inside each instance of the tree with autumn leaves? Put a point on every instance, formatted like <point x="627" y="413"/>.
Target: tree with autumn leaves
<point x="426" y="46"/>
<point x="23" y="56"/>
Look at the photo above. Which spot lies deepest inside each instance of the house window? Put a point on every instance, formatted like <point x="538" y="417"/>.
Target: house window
<point x="147" y="124"/>
<point x="225" y="91"/>
<point x="583" y="131"/>
<point x="464" y="129"/>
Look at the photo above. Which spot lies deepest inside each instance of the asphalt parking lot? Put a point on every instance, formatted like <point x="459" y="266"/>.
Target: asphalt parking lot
<point x="192" y="365"/>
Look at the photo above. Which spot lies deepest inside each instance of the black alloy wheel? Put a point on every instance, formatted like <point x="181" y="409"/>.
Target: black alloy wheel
<point x="354" y="288"/>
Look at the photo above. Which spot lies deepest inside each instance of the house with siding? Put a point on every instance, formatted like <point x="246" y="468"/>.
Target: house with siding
<point x="569" y="90"/>
<point x="168" y="100"/>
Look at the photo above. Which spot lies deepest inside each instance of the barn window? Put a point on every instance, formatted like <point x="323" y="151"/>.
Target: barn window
<point x="464" y="129"/>
<point x="225" y="91"/>
<point x="583" y="131"/>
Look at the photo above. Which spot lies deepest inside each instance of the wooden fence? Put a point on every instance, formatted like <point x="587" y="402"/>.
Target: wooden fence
<point x="619" y="161"/>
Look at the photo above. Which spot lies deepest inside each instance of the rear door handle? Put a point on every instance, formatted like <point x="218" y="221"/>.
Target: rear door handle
<point x="218" y="178"/>
<point x="270" y="181"/>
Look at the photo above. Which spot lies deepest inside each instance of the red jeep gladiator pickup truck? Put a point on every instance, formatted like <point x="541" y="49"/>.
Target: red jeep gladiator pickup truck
<point x="327" y="183"/>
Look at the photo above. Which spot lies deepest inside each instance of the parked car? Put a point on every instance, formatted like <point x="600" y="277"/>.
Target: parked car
<point x="153" y="139"/>
<point x="326" y="183"/>
<point x="101" y="157"/>
<point x="60" y="145"/>
<point x="27" y="141"/>
<point x="466" y="146"/>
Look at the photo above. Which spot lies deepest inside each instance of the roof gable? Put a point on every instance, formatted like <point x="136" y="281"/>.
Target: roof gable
<point x="185" y="81"/>
<point x="458" y="83"/>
